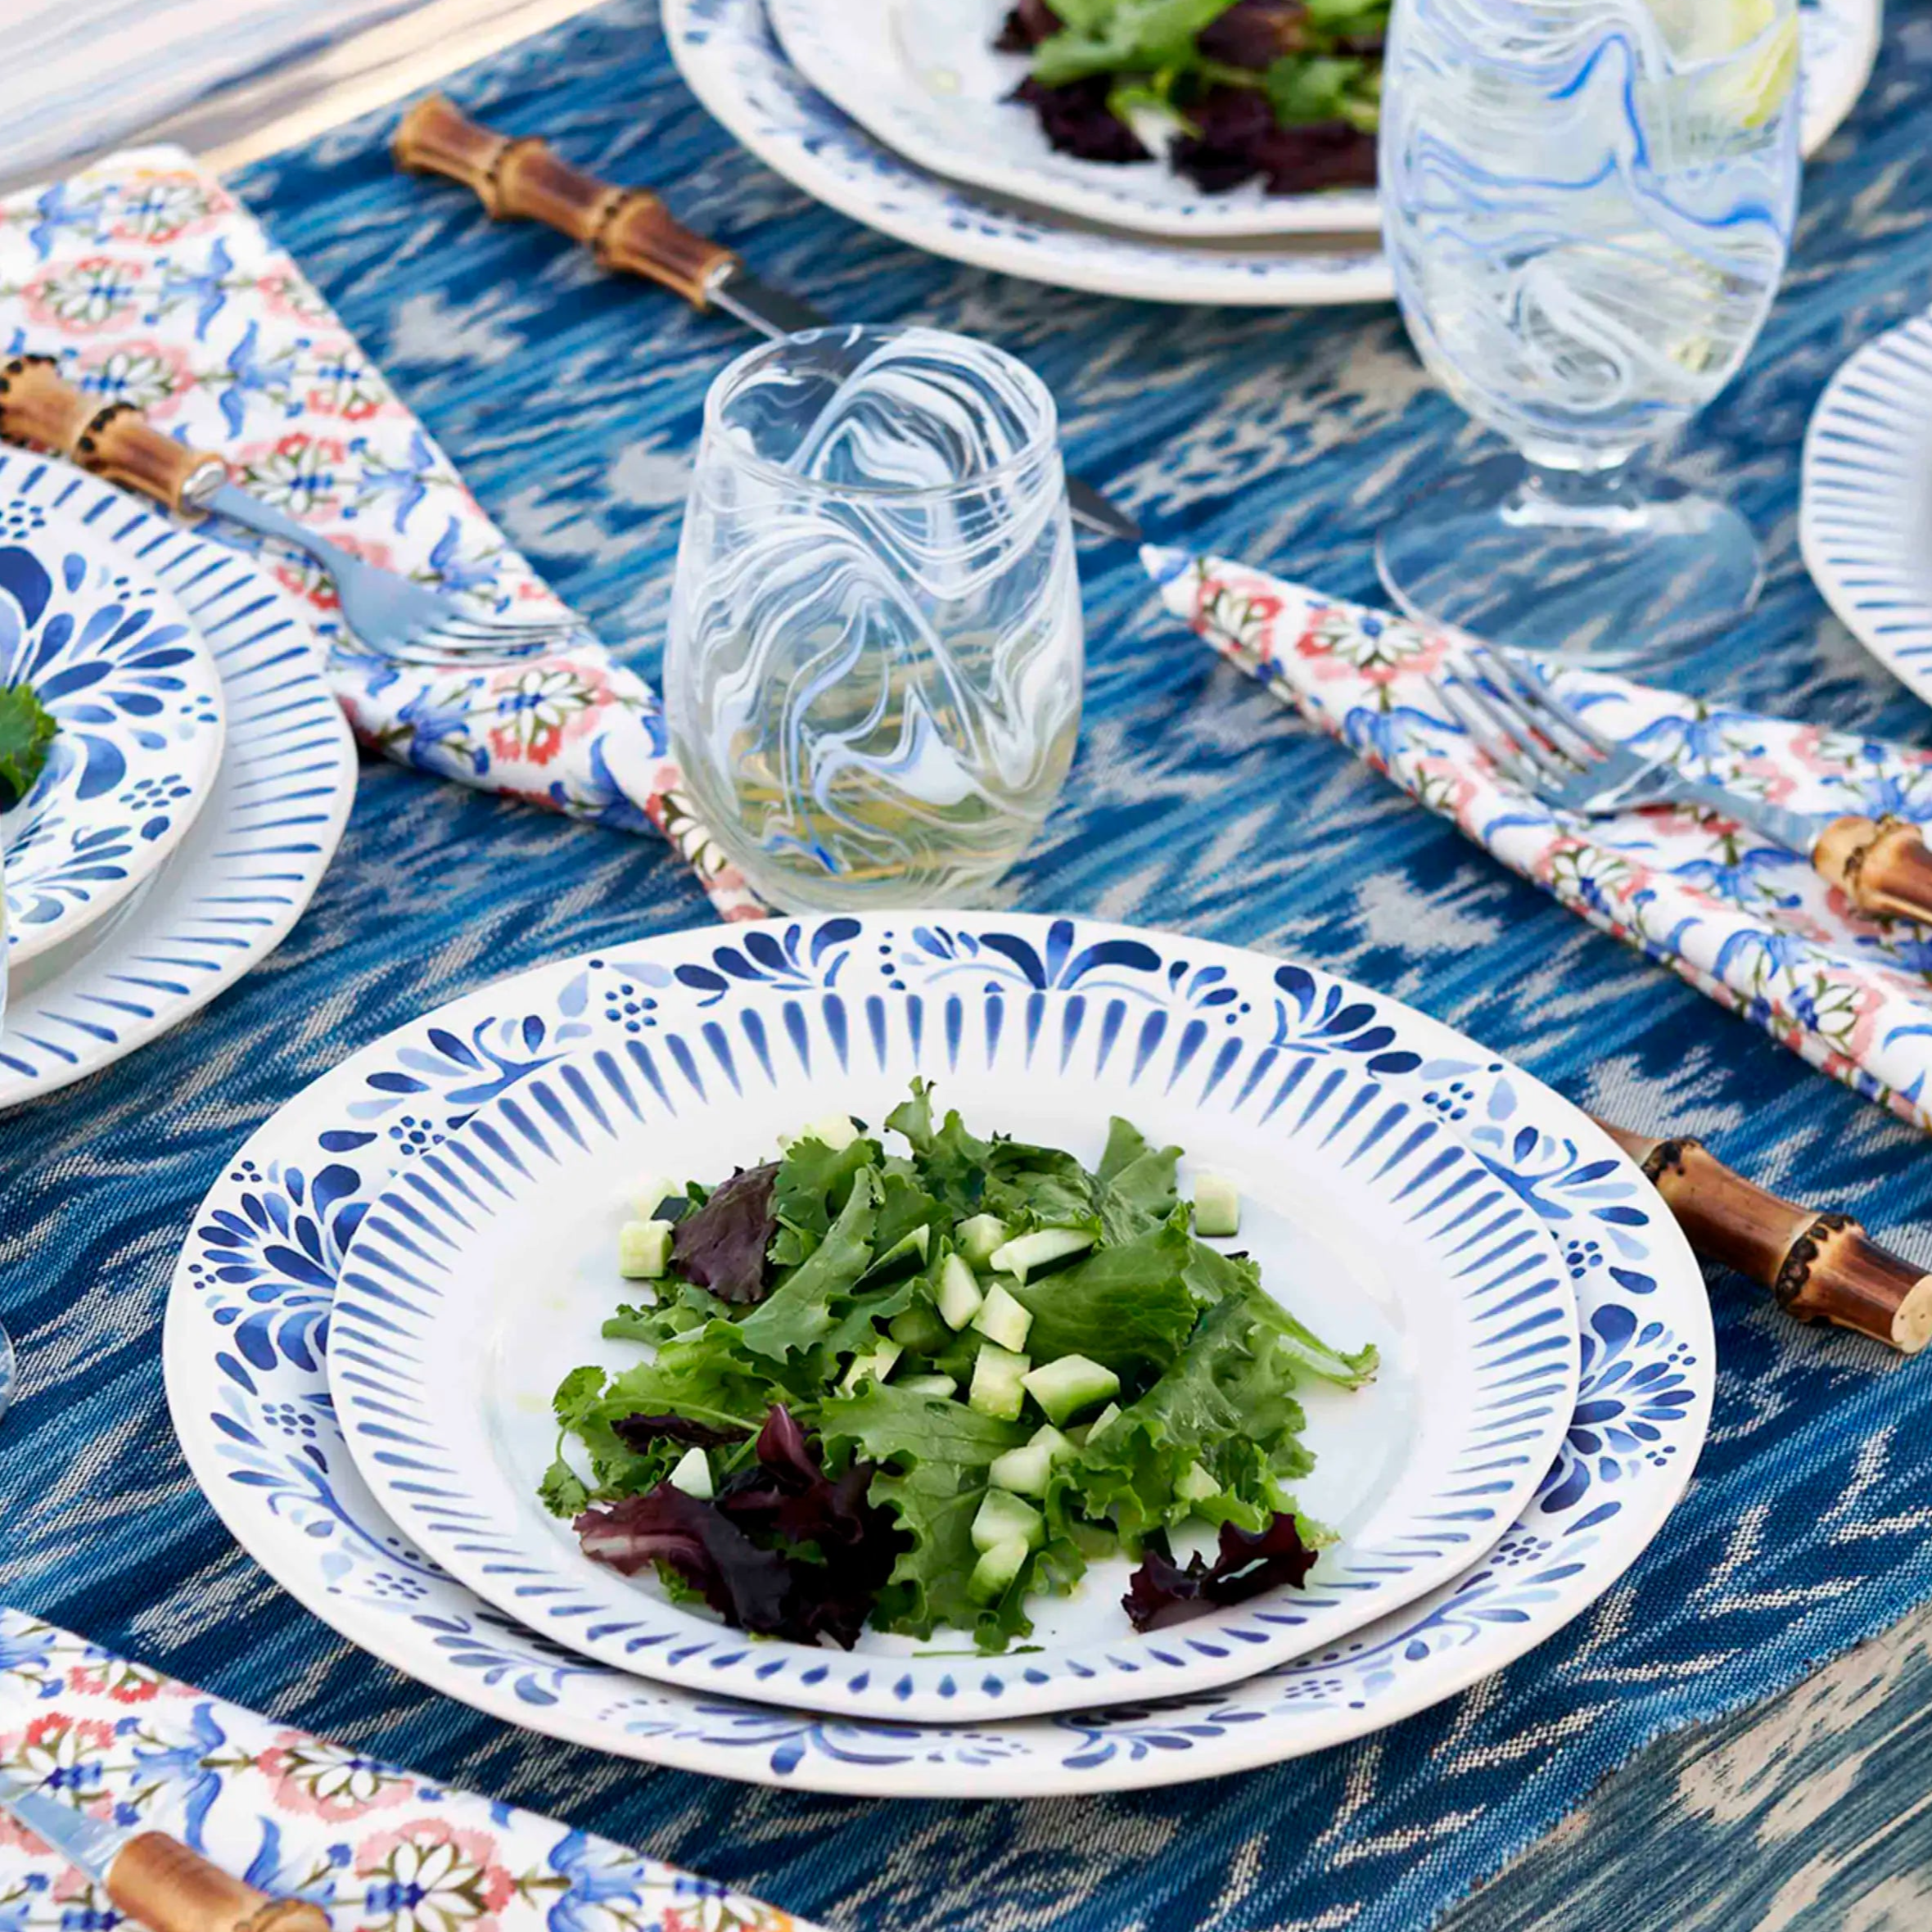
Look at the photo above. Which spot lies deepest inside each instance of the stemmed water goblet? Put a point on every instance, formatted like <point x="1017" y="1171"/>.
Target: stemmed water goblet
<point x="1587" y="205"/>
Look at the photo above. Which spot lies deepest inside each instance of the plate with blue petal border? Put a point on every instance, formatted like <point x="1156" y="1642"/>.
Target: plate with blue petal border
<point x="251" y="862"/>
<point x="246" y="1361"/>
<point x="112" y="653"/>
<point x="485" y="1277"/>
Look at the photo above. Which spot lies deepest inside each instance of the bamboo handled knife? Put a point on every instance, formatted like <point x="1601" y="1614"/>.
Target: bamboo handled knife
<point x="630" y="230"/>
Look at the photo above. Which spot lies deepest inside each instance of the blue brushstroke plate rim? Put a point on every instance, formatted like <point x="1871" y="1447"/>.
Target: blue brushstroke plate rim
<point x="246" y="1352"/>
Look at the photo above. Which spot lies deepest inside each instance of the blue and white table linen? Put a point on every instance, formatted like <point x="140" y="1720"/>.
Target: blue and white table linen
<point x="379" y="1849"/>
<point x="154" y="286"/>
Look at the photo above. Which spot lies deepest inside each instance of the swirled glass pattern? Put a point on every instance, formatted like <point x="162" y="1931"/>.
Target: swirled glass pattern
<point x="1588" y="205"/>
<point x="873" y="672"/>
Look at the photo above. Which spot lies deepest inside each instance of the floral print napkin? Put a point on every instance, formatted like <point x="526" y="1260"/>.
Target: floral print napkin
<point x="1739" y="918"/>
<point x="154" y="286"/>
<point x="379" y="1849"/>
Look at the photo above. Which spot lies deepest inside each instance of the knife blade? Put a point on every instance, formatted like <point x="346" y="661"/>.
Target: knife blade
<point x="631" y="230"/>
<point x="151" y="1877"/>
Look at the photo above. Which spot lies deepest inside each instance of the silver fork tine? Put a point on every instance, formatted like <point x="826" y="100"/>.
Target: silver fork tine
<point x="1501" y="745"/>
<point x="1553" y="710"/>
<point x="1503" y="722"/>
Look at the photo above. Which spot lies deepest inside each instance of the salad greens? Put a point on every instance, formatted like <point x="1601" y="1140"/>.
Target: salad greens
<point x="27" y="731"/>
<point x="912" y="1388"/>
<point x="1289" y="90"/>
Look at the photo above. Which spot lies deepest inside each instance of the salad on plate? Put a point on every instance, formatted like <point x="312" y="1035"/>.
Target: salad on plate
<point x="1284" y="91"/>
<point x="909" y="1381"/>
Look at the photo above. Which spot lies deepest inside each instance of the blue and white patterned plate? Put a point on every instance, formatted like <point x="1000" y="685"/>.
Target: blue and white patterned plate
<point x="929" y="82"/>
<point x="485" y="1275"/>
<point x="257" y="850"/>
<point x="113" y="656"/>
<point x="247" y="1381"/>
<point x="729" y="57"/>
<point x="1865" y="518"/>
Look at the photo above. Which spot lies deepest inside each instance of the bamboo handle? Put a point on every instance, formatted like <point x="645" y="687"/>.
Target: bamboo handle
<point x="159" y="1881"/>
<point x="1821" y="1267"/>
<point x="1882" y="866"/>
<point x="626" y="228"/>
<point x="37" y="407"/>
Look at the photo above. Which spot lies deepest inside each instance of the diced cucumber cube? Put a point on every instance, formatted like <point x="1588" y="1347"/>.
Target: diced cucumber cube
<point x="1003" y="1320"/>
<point x="980" y="1236"/>
<point x="693" y="1475"/>
<point x="1105" y="1419"/>
<point x="1057" y="1446"/>
<point x="938" y="1385"/>
<point x="1217" y="1205"/>
<point x="1065" y="1386"/>
<point x="999" y="1383"/>
<point x="1036" y="1250"/>
<point x="995" y="1570"/>
<point x="919" y="1328"/>
<point x="1002" y="1517"/>
<point x="906" y="1256"/>
<point x="875" y="1366"/>
<point x="836" y="1130"/>
<point x="960" y="1295"/>
<point x="649" y="1195"/>
<point x="1023" y="1471"/>
<point x="1195" y="1485"/>
<point x="644" y="1249"/>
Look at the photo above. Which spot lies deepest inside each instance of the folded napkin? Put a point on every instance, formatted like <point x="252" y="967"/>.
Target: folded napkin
<point x="154" y="286"/>
<point x="1742" y="919"/>
<point x="375" y="1847"/>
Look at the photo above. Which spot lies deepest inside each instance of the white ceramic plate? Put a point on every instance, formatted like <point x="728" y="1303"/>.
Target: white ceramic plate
<point x="253" y="1291"/>
<point x="925" y="78"/>
<point x="1865" y="518"/>
<point x="725" y="51"/>
<point x="255" y="854"/>
<point x="483" y="1277"/>
<point x="727" y="54"/>
<point x="90" y="627"/>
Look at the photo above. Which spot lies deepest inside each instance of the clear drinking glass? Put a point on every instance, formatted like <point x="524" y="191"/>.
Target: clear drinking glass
<point x="1587" y="205"/>
<point x="872" y="677"/>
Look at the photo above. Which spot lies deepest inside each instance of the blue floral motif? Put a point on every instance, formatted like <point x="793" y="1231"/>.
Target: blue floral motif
<point x="1058" y="965"/>
<point x="775" y="957"/>
<point x="1332" y="1021"/>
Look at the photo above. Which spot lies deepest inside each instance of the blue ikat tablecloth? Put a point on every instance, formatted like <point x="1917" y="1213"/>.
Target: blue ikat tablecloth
<point x="570" y="402"/>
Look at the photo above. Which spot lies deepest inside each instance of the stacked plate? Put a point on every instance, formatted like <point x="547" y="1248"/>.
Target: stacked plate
<point x="383" y="1291"/>
<point x="197" y="784"/>
<point x="895" y="112"/>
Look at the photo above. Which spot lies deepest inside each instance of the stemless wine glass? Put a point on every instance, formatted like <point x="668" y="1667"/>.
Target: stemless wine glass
<point x="1587" y="205"/>
<point x="872" y="676"/>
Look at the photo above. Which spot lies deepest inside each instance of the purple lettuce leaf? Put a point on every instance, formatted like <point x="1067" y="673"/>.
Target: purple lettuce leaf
<point x="1161" y="1592"/>
<point x="1077" y="120"/>
<point x="644" y="1433"/>
<point x="721" y="1246"/>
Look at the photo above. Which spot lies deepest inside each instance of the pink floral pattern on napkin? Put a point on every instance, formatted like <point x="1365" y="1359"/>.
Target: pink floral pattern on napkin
<point x="1739" y="917"/>
<point x="153" y="286"/>
<point x="378" y="1848"/>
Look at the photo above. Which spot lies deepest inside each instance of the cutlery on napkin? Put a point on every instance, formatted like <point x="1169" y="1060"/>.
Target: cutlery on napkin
<point x="1552" y="750"/>
<point x="152" y="1877"/>
<point x="631" y="230"/>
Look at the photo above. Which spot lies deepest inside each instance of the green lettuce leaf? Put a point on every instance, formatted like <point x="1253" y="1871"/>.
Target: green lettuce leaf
<point x="1128" y="1307"/>
<point x="934" y="1456"/>
<point x="27" y="733"/>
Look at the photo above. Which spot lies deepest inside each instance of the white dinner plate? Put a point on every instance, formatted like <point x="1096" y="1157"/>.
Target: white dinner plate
<point x="250" y="863"/>
<point x="92" y="629"/>
<point x="254" y="1286"/>
<point x="928" y="82"/>
<point x="484" y="1276"/>
<point x="727" y="53"/>
<point x="1865" y="515"/>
